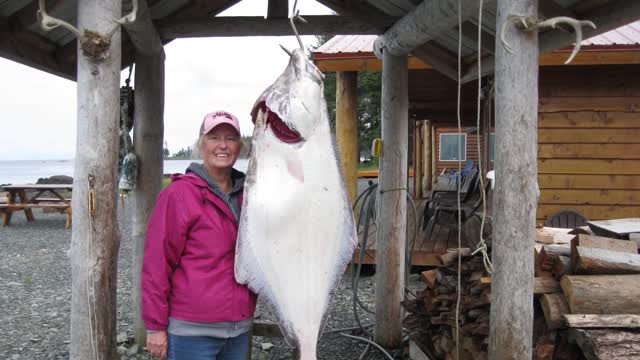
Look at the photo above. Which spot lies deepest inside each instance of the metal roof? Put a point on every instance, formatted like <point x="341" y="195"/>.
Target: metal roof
<point x="362" y="45"/>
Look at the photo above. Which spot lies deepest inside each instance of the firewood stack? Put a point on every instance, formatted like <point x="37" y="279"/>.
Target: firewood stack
<point x="587" y="301"/>
<point x="433" y="312"/>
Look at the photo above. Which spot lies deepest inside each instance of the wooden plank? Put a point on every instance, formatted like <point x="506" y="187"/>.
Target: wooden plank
<point x="589" y="119"/>
<point x="616" y="227"/>
<point x="602" y="294"/>
<point x="588" y="166"/>
<point x="550" y="235"/>
<point x="587" y="197"/>
<point x="602" y="321"/>
<point x="541" y="284"/>
<point x="602" y="262"/>
<point x="600" y="242"/>
<point x="589" y="151"/>
<point x="579" y="103"/>
<point x="591" y="211"/>
<point x="578" y="181"/>
<point x="586" y="57"/>
<point x="589" y="136"/>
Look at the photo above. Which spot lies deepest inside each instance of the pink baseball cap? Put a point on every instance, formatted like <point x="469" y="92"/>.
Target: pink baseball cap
<point x="216" y="118"/>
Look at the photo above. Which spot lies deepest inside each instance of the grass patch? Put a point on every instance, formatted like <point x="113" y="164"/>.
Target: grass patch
<point x="165" y="182"/>
<point x="369" y="165"/>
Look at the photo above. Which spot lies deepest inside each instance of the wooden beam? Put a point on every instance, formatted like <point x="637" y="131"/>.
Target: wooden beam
<point x="278" y="9"/>
<point x="602" y="321"/>
<point x="259" y="26"/>
<point x="470" y="32"/>
<point x="424" y="23"/>
<point x="515" y="196"/>
<point x="361" y="10"/>
<point x="148" y="134"/>
<point x="390" y="244"/>
<point x="202" y="9"/>
<point x="143" y="33"/>
<point x="347" y="128"/>
<point x="360" y="63"/>
<point x="427" y="155"/>
<point x="549" y="8"/>
<point x="32" y="50"/>
<point x="95" y="238"/>
<point x="439" y="59"/>
<point x="606" y="18"/>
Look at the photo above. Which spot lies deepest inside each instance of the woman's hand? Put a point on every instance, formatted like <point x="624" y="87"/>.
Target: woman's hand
<point x="157" y="344"/>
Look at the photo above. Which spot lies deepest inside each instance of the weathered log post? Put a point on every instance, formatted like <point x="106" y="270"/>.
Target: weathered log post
<point x="148" y="138"/>
<point x="516" y="189"/>
<point x="427" y="156"/>
<point x="95" y="238"/>
<point x="347" y="127"/>
<point x="148" y="134"/>
<point x="390" y="244"/>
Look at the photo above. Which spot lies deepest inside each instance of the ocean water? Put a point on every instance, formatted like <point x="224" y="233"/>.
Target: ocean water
<point x="29" y="171"/>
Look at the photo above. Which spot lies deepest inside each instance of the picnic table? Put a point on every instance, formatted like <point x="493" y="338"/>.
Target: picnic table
<point x="47" y="196"/>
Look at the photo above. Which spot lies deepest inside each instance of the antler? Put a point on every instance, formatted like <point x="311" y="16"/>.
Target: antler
<point x="530" y="24"/>
<point x="577" y="28"/>
<point x="127" y="19"/>
<point x="49" y="23"/>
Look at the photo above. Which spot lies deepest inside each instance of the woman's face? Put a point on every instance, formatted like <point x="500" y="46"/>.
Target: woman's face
<point x="220" y="147"/>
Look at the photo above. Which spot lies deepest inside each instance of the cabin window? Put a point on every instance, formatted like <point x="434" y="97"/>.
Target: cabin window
<point x="449" y="147"/>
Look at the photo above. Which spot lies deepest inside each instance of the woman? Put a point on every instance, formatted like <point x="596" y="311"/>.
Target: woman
<point x="191" y="305"/>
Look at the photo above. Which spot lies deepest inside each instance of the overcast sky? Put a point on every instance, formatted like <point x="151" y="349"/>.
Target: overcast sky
<point x="38" y="111"/>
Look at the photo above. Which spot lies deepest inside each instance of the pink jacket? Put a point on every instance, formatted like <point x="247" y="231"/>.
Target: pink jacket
<point x="187" y="273"/>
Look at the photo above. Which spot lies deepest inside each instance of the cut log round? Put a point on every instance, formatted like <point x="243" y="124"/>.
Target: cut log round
<point x="602" y="294"/>
<point x="553" y="307"/>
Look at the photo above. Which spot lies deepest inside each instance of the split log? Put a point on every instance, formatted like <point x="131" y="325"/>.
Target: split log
<point x="561" y="267"/>
<point x="553" y="307"/>
<point x="549" y="253"/>
<point x="429" y="278"/>
<point x="605" y="243"/>
<point x="602" y="294"/>
<point x="551" y="235"/>
<point x="602" y="262"/>
<point x="607" y="344"/>
<point x="602" y="321"/>
<point x="635" y="237"/>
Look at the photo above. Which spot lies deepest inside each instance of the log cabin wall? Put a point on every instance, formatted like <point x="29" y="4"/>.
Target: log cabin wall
<point x="589" y="141"/>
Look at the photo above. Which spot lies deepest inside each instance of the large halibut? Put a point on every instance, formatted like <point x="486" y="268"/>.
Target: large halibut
<point x="297" y="232"/>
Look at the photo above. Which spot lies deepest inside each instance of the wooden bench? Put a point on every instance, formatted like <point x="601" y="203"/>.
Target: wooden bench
<point x="60" y="206"/>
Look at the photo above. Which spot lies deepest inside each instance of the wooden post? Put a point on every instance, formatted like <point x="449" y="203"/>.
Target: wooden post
<point x="516" y="186"/>
<point x="95" y="238"/>
<point x="147" y="140"/>
<point x="434" y="152"/>
<point x="390" y="245"/>
<point x="347" y="127"/>
<point x="417" y="158"/>
<point x="427" y="156"/>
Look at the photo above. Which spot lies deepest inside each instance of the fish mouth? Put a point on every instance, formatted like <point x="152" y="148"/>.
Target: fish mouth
<point x="277" y="126"/>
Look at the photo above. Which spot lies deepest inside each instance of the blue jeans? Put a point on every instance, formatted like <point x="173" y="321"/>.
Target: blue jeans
<point x="207" y="348"/>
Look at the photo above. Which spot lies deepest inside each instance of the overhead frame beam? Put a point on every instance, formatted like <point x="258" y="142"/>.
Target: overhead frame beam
<point x="143" y="33"/>
<point x="606" y="18"/>
<point x="32" y="50"/>
<point x="424" y="23"/>
<point x="361" y="10"/>
<point x="259" y="26"/>
<point x="278" y="9"/>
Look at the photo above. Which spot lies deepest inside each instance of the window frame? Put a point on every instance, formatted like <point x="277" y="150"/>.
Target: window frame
<point x="464" y="153"/>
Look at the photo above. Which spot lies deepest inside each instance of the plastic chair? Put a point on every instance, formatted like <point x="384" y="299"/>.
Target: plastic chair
<point x="566" y="219"/>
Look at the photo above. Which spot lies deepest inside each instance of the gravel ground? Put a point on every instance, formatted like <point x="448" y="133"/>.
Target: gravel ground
<point x="35" y="295"/>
